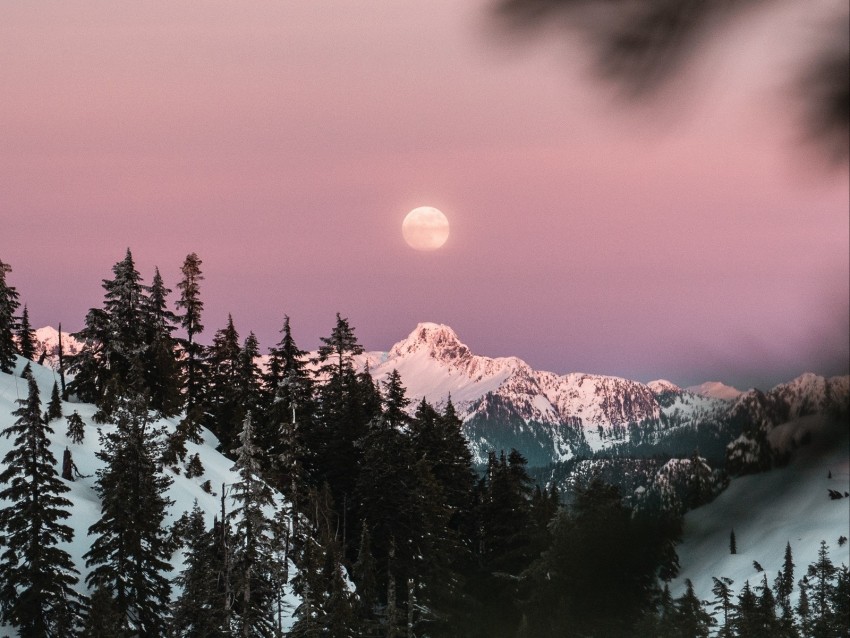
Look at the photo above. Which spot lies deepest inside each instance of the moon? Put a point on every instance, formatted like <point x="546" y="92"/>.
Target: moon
<point x="425" y="228"/>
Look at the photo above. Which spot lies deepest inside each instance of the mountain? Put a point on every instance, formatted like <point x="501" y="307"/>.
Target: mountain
<point x="715" y="390"/>
<point x="552" y="418"/>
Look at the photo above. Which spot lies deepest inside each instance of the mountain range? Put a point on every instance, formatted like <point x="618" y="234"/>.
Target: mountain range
<point x="552" y="418"/>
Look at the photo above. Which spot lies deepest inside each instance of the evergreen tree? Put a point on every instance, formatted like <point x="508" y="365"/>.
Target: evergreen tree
<point x="200" y="610"/>
<point x="820" y="586"/>
<point x="224" y="409"/>
<point x="8" y="305"/>
<point x="254" y="550"/>
<point x="76" y="428"/>
<point x="769" y="624"/>
<point x="162" y="369"/>
<point x="733" y="544"/>
<point x="841" y="602"/>
<point x="26" y="336"/>
<point x="692" y="620"/>
<point x="37" y="577"/>
<point x="251" y="377"/>
<point x="804" y="610"/>
<point x="104" y="620"/>
<point x="722" y="591"/>
<point x="289" y="386"/>
<point x="111" y="364"/>
<point x="341" y="422"/>
<point x="192" y="306"/>
<point x="54" y="408"/>
<point x="130" y="553"/>
<point x="746" y="621"/>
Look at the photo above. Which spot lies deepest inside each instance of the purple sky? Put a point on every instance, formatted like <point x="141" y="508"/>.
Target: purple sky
<point x="284" y="142"/>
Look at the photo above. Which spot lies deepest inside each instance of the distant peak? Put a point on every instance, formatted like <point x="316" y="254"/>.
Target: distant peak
<point x="715" y="390"/>
<point x="663" y="385"/>
<point x="438" y="339"/>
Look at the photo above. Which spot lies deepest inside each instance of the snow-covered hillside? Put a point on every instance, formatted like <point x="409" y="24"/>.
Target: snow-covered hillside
<point x="86" y="505"/>
<point x="768" y="510"/>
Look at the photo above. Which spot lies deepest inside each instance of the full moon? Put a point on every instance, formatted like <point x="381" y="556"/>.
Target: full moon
<point x="425" y="228"/>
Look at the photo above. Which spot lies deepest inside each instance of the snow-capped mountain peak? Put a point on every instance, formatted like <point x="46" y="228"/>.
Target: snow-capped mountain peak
<point x="715" y="390"/>
<point x="437" y="340"/>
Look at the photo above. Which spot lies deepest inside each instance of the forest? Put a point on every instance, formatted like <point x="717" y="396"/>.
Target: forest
<point x="367" y="508"/>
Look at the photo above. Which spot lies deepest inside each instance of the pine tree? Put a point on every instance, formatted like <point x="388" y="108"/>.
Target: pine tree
<point x="722" y="591"/>
<point x="200" y="611"/>
<point x="254" y="536"/>
<point x="162" y="369"/>
<point x="8" y="305"/>
<point x="104" y="620"/>
<point x="130" y="553"/>
<point x="76" y="428"/>
<point x="746" y="621"/>
<point x="54" y="408"/>
<point x="341" y="422"/>
<point x="251" y="376"/>
<point x="767" y="609"/>
<point x="26" y="336"/>
<point x="190" y="302"/>
<point x="691" y="619"/>
<point x="733" y="545"/>
<point x="819" y="583"/>
<point x="37" y="592"/>
<point x="223" y="407"/>
<point x="289" y="386"/>
<point x="111" y="364"/>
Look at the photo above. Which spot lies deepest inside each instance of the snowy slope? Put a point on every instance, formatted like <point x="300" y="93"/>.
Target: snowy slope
<point x="788" y="504"/>
<point x="86" y="506"/>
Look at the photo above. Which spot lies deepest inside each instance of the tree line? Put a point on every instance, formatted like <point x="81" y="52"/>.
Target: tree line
<point x="369" y="511"/>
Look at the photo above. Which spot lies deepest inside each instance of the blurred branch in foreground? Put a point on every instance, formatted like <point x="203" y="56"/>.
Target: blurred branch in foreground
<point x="640" y="44"/>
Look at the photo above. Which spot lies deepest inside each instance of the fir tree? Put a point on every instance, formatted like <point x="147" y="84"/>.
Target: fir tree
<point x="722" y="591"/>
<point x="8" y="305"/>
<point x="342" y="421"/>
<point x="733" y="544"/>
<point x="820" y="577"/>
<point x="746" y="621"/>
<point x="691" y="619"/>
<point x="194" y="467"/>
<point x="254" y="550"/>
<point x="37" y="592"/>
<point x="104" y="620"/>
<point x="130" y="553"/>
<point x="26" y="336"/>
<point x="200" y="610"/>
<point x="162" y="369"/>
<point x="54" y="408"/>
<point x="804" y="610"/>
<point x="289" y="386"/>
<point x="76" y="428"/>
<point x="224" y="409"/>
<point x="111" y="364"/>
<point x="192" y="306"/>
<point x="767" y="609"/>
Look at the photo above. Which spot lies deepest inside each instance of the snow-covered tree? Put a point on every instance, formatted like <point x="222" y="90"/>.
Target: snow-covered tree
<point x="8" y="305"/>
<point x="37" y="577"/>
<point x="253" y="554"/>
<point x="130" y="554"/>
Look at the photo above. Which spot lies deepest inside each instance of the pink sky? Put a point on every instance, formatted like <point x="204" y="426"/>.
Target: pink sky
<point x="284" y="143"/>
